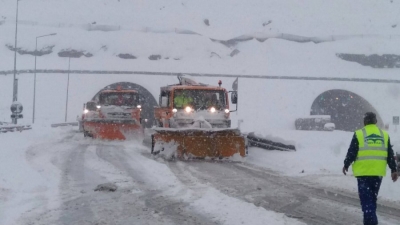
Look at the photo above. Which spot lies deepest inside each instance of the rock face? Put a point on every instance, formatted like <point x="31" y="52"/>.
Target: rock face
<point x="44" y="51"/>
<point x="234" y="52"/>
<point x="375" y="61"/>
<point x="107" y="187"/>
<point x="74" y="53"/>
<point x="155" y="57"/>
<point x="126" y="56"/>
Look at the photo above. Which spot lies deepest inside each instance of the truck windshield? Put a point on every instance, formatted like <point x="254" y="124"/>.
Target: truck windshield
<point x="119" y="99"/>
<point x="199" y="99"/>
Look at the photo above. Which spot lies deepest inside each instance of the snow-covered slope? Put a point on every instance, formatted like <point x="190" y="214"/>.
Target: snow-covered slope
<point x="227" y="18"/>
<point x="144" y="28"/>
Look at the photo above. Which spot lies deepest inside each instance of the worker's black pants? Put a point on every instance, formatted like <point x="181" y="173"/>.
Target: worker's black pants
<point x="368" y="189"/>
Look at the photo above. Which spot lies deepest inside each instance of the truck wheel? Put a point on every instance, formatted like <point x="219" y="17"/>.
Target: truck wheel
<point x="86" y="134"/>
<point x="152" y="144"/>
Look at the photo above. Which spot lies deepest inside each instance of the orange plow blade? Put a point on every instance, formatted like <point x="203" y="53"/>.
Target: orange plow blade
<point x="197" y="143"/>
<point x="113" y="131"/>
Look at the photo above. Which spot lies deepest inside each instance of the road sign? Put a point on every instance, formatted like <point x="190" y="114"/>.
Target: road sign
<point x="17" y="116"/>
<point x="16" y="108"/>
<point x="395" y="120"/>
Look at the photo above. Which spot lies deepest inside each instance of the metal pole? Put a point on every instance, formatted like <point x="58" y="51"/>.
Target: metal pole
<point x="15" y="85"/>
<point x="237" y="102"/>
<point x="34" y="87"/>
<point x="66" y="102"/>
<point x="34" y="82"/>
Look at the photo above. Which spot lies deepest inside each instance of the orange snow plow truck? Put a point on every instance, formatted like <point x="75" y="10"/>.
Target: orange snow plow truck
<point x="114" y="114"/>
<point x="193" y="121"/>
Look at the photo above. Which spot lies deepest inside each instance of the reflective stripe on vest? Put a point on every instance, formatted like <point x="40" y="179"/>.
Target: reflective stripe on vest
<point x="372" y="154"/>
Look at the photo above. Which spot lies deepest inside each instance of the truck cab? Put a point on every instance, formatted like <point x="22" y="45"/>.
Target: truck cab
<point x="182" y="105"/>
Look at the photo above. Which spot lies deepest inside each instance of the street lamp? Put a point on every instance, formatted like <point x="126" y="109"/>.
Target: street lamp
<point x="15" y="81"/>
<point x="69" y="54"/>
<point x="34" y="82"/>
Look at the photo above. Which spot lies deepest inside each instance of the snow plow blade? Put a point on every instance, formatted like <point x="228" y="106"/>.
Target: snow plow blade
<point x="198" y="143"/>
<point x="112" y="130"/>
<point x="397" y="157"/>
<point x="267" y="144"/>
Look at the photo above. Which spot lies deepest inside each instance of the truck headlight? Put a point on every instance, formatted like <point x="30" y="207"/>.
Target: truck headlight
<point x="212" y="110"/>
<point x="188" y="109"/>
<point x="98" y="106"/>
<point x="139" y="106"/>
<point x="85" y="111"/>
<point x="226" y="110"/>
<point x="174" y="110"/>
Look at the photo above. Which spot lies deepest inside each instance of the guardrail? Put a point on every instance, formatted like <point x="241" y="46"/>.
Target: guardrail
<point x="64" y="124"/>
<point x="13" y="128"/>
<point x="150" y="73"/>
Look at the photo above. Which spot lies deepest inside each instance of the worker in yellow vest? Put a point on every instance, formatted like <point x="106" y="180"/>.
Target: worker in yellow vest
<point x="370" y="151"/>
<point x="182" y="99"/>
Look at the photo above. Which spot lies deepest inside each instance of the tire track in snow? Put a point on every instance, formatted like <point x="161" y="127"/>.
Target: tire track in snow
<point x="287" y="195"/>
<point x="87" y="170"/>
<point x="388" y="212"/>
<point x="159" y="201"/>
<point x="224" y="207"/>
<point x="43" y="159"/>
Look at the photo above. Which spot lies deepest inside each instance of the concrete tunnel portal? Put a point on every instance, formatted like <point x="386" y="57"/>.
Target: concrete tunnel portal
<point x="148" y="100"/>
<point x="345" y="108"/>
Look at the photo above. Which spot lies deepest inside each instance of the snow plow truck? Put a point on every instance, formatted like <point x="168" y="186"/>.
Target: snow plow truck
<point x="114" y="114"/>
<point x="193" y="121"/>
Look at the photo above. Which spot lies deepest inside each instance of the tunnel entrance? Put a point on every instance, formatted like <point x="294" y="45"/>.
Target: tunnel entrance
<point x="345" y="108"/>
<point x="148" y="103"/>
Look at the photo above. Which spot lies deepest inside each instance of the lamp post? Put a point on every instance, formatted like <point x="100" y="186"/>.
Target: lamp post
<point x="69" y="54"/>
<point x="15" y="81"/>
<point x="34" y="82"/>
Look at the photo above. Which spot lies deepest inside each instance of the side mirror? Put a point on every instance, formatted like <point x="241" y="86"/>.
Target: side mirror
<point x="91" y="106"/>
<point x="164" y="101"/>
<point x="234" y="97"/>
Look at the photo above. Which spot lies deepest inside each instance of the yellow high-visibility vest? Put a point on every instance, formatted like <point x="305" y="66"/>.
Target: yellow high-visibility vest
<point x="180" y="101"/>
<point x="372" y="153"/>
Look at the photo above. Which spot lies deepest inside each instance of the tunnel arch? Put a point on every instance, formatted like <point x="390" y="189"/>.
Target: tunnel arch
<point x="345" y="108"/>
<point x="147" y="106"/>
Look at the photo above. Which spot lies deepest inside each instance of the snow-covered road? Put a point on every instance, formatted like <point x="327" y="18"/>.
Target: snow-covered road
<point x="61" y="170"/>
<point x="148" y="191"/>
<point x="296" y="197"/>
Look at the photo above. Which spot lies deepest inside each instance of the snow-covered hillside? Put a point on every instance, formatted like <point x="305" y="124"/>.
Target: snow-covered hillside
<point x="143" y="28"/>
<point x="227" y="18"/>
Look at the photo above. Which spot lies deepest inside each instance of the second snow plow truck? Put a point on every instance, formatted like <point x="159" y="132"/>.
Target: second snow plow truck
<point x="114" y="114"/>
<point x="193" y="120"/>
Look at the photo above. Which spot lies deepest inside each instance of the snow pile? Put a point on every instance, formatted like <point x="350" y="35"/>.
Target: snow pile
<point x="166" y="150"/>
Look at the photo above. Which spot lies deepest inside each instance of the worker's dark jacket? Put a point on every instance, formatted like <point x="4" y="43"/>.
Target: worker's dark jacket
<point x="353" y="151"/>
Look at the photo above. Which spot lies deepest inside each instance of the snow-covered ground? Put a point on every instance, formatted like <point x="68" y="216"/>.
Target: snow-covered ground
<point x="49" y="174"/>
<point x="41" y="178"/>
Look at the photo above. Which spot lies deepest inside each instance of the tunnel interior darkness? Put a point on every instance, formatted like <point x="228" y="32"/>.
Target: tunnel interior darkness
<point x="148" y="100"/>
<point x="345" y="108"/>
